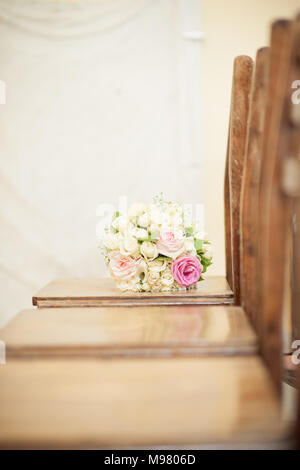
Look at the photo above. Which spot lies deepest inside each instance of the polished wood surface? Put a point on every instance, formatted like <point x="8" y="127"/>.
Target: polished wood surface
<point x="250" y="187"/>
<point x="295" y="307"/>
<point x="129" y="332"/>
<point x="274" y="206"/>
<point x="111" y="403"/>
<point x="227" y="216"/>
<point x="291" y="181"/>
<point x="103" y="291"/>
<point x="291" y="188"/>
<point x="242" y="76"/>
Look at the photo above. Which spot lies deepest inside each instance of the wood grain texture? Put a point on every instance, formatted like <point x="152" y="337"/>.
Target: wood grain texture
<point x="291" y="152"/>
<point x="250" y="187"/>
<point x="292" y="190"/>
<point x="103" y="292"/>
<point x="227" y="217"/>
<point x="129" y="332"/>
<point x="97" y="403"/>
<point x="274" y="208"/>
<point x="242" y="75"/>
<point x="296" y="296"/>
<point x="297" y="433"/>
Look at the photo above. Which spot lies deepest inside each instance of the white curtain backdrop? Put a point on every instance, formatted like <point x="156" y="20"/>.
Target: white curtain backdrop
<point x="102" y="99"/>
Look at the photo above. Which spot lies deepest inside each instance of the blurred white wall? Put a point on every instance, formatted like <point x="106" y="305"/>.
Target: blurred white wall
<point x="107" y="98"/>
<point x="99" y="104"/>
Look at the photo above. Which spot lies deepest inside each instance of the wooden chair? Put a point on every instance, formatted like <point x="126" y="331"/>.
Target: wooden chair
<point x="57" y="401"/>
<point x="249" y="220"/>
<point x="215" y="289"/>
<point x="239" y="114"/>
<point x="275" y="207"/>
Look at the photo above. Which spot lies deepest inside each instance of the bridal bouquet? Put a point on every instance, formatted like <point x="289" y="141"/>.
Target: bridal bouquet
<point x="151" y="248"/>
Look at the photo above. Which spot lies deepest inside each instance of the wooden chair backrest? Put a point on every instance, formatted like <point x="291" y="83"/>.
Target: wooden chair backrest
<point x="241" y="85"/>
<point x="250" y="186"/>
<point x="265" y="213"/>
<point x="274" y="206"/>
<point x="271" y="188"/>
<point x="290" y="180"/>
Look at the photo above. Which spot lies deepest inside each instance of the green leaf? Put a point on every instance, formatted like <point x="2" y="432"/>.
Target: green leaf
<point x="189" y="231"/>
<point x="151" y="238"/>
<point x="205" y="263"/>
<point x="198" y="244"/>
<point x="154" y="235"/>
<point x="163" y="258"/>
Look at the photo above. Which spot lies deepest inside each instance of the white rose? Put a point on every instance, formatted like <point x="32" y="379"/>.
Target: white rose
<point x="149" y="250"/>
<point x="140" y="233"/>
<point x="189" y="245"/>
<point x="136" y="209"/>
<point x="153" y="277"/>
<point x="156" y="287"/>
<point x="157" y="265"/>
<point x="154" y="230"/>
<point x="142" y="271"/>
<point x="111" y="241"/>
<point x="129" y="247"/>
<point x="146" y="287"/>
<point x="167" y="278"/>
<point x="156" y="215"/>
<point x="143" y="220"/>
<point x="120" y="223"/>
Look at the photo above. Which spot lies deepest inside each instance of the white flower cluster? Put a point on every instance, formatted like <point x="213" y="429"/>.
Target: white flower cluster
<point x="143" y="245"/>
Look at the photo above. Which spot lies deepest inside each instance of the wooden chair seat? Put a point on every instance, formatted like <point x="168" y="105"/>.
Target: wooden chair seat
<point x="94" y="403"/>
<point x="103" y="291"/>
<point x="130" y="332"/>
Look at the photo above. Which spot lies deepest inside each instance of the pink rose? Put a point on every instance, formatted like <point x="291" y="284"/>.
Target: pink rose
<point x="123" y="267"/>
<point x="170" y="244"/>
<point x="186" y="270"/>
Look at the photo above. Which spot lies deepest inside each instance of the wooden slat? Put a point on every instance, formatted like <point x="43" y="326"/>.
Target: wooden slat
<point x="242" y="75"/>
<point x="293" y="183"/>
<point x="99" y="403"/>
<point x="296" y="298"/>
<point x="129" y="332"/>
<point x="297" y="433"/>
<point x="103" y="292"/>
<point x="292" y="151"/>
<point x="296" y="272"/>
<point x="250" y="187"/>
<point x="274" y="208"/>
<point x="227" y="218"/>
